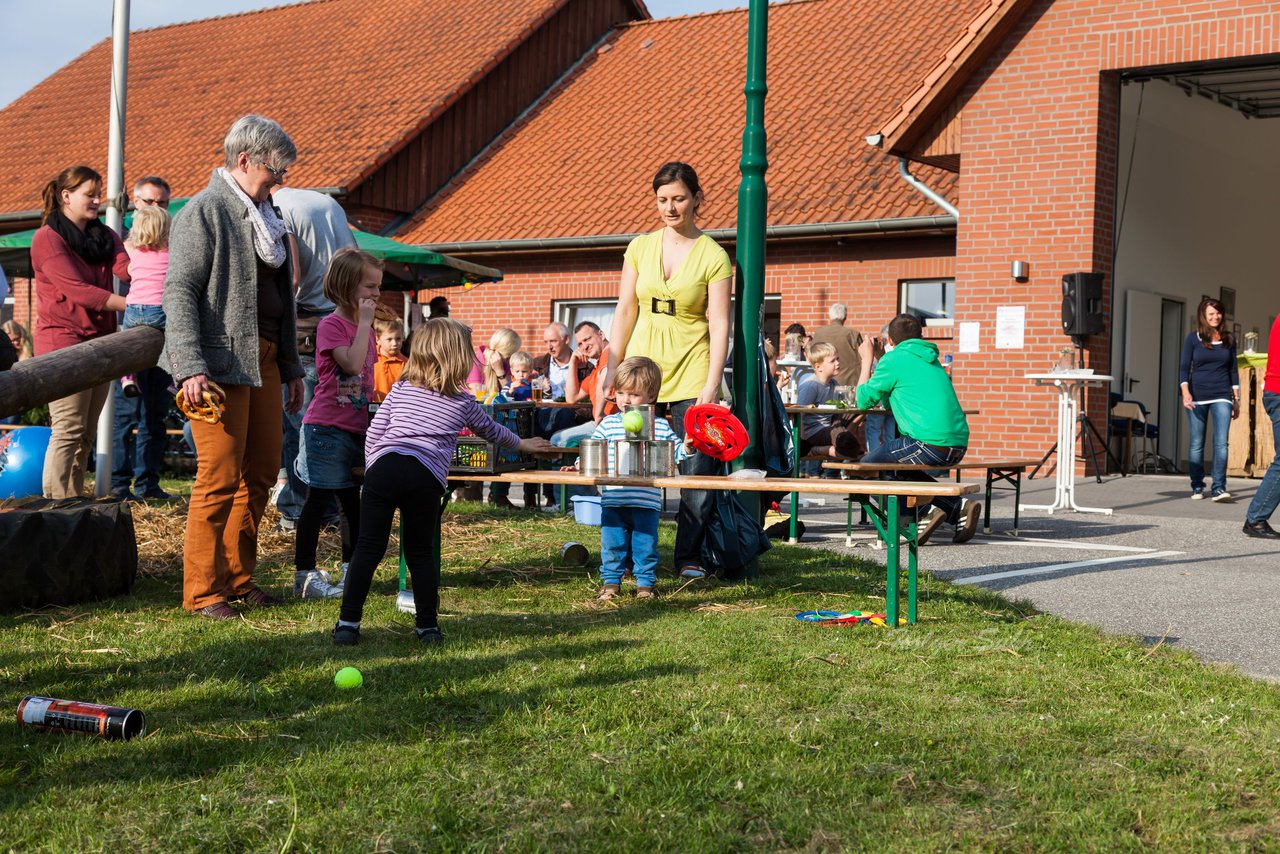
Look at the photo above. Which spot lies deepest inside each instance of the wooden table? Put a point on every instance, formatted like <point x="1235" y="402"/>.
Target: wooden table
<point x="890" y="520"/>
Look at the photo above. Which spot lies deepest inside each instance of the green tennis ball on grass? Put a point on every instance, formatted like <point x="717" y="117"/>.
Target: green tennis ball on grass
<point x="633" y="422"/>
<point x="348" y="678"/>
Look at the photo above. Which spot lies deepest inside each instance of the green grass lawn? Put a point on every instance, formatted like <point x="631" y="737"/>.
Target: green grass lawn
<point x="707" y="720"/>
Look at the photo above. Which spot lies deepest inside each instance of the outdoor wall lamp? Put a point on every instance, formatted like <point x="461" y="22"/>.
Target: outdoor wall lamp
<point x="1020" y="270"/>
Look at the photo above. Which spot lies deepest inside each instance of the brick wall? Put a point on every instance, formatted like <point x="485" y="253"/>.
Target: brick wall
<point x="1038" y="178"/>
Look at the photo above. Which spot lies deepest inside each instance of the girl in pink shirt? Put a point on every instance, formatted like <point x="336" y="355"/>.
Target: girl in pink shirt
<point x="338" y="417"/>
<point x="148" y="248"/>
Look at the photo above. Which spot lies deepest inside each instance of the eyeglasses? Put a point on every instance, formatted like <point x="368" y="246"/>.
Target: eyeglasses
<point x="138" y="201"/>
<point x="278" y="174"/>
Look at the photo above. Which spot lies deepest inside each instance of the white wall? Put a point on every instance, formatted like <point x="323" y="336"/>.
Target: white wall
<point x="1197" y="190"/>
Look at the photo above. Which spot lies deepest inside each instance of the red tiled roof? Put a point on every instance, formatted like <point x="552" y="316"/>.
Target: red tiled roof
<point x="350" y="80"/>
<point x="580" y="163"/>
<point x="970" y="49"/>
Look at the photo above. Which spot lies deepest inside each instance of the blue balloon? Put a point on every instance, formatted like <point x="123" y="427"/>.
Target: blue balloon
<point x="22" y="461"/>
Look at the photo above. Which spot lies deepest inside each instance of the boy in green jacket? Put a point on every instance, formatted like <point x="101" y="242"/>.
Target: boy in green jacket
<point x="931" y="425"/>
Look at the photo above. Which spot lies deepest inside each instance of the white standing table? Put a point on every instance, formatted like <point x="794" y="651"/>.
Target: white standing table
<point x="1069" y="384"/>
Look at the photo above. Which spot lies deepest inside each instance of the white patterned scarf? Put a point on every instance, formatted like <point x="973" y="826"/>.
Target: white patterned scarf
<point x="268" y="228"/>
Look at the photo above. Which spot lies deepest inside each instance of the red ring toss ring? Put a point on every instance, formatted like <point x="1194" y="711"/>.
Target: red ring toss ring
<point x="715" y="431"/>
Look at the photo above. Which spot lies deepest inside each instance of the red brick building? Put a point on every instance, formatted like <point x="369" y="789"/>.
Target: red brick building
<point x="1128" y="138"/>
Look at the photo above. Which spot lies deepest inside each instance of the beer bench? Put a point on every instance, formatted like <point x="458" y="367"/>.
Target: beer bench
<point x="1006" y="471"/>
<point x="892" y="524"/>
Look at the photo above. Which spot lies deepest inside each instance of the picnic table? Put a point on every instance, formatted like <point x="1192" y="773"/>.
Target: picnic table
<point x="892" y="523"/>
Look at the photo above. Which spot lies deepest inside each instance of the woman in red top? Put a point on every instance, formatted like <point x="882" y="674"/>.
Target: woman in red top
<point x="74" y="256"/>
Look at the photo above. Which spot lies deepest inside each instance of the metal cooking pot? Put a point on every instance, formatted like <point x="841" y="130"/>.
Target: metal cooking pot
<point x="593" y="457"/>
<point x="660" y="459"/>
<point x="629" y="457"/>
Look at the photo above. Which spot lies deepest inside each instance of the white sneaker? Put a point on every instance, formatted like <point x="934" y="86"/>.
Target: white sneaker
<point x="1221" y="496"/>
<point x="1197" y="495"/>
<point x="312" y="585"/>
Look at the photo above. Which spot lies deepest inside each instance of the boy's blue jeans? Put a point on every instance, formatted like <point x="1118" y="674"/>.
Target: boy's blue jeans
<point x="139" y="460"/>
<point x="629" y="532"/>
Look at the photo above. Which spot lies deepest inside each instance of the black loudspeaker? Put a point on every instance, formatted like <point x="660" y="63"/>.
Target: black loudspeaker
<point x="1082" y="303"/>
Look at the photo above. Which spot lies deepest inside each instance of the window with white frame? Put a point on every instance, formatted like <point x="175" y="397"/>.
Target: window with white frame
<point x="932" y="300"/>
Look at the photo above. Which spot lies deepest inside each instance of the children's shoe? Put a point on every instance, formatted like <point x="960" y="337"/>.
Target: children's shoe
<point x="432" y="635"/>
<point x="929" y="524"/>
<point x="692" y="570"/>
<point x="346" y="635"/>
<point x="1221" y="495"/>
<point x="608" y="592"/>
<point x="313" y="585"/>
<point x="129" y="386"/>
<point x="1197" y="494"/>
<point x="645" y="593"/>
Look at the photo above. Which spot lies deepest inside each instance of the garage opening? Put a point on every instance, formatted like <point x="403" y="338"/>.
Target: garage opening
<point x="1197" y="181"/>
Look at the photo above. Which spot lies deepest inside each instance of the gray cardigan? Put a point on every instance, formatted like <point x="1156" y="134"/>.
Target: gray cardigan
<point x="211" y="295"/>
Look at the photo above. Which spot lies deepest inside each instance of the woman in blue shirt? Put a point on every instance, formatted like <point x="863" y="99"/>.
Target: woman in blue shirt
<point x="1210" y="389"/>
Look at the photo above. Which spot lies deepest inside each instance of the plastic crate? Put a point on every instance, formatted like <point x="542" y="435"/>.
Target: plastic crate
<point x="474" y="455"/>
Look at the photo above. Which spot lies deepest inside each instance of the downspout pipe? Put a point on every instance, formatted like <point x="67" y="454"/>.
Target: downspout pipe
<point x="925" y="190"/>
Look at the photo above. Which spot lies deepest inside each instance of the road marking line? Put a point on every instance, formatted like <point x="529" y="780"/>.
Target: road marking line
<point x="1036" y="542"/>
<point x="1057" y="567"/>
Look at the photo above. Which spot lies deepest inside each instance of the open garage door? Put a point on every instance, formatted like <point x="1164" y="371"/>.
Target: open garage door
<point x="1197" y="178"/>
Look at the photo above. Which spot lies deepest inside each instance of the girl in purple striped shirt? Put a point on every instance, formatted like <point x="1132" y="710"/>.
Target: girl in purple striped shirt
<point x="407" y="452"/>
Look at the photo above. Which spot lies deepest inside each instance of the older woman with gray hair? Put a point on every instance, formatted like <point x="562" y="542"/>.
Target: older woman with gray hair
<point x="228" y="301"/>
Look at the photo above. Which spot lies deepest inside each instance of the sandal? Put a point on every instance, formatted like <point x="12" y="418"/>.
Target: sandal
<point x="608" y="592"/>
<point x="645" y="593"/>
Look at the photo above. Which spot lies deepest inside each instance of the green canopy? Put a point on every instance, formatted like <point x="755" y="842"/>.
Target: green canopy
<point x="407" y="267"/>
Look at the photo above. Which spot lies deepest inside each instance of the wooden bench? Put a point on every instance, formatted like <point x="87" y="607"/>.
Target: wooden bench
<point x="892" y="523"/>
<point x="1007" y="471"/>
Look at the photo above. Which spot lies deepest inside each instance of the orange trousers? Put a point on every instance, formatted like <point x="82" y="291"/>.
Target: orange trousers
<point x="237" y="462"/>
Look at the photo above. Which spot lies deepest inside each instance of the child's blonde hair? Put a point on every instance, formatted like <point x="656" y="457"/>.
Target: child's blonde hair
<point x="820" y="352"/>
<point x="150" y="229"/>
<point x="521" y="358"/>
<point x="639" y="375"/>
<point x="440" y="356"/>
<point x="505" y="342"/>
<point x="382" y="326"/>
<point x="343" y="275"/>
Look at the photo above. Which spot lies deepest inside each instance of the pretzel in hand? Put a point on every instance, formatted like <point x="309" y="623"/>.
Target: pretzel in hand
<point x="210" y="411"/>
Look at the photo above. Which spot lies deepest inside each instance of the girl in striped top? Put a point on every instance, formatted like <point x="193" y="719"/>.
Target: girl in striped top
<point x="408" y="449"/>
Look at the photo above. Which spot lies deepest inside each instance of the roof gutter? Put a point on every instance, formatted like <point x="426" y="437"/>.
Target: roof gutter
<point x="18" y="216"/>
<point x="925" y="190"/>
<point x="899" y="225"/>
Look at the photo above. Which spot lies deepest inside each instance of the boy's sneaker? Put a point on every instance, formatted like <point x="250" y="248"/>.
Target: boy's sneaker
<point x="608" y="592"/>
<point x="692" y="571"/>
<point x="432" y="635"/>
<point x="313" y="585"/>
<point x="1221" y="495"/>
<point x="929" y="524"/>
<point x="129" y="386"/>
<point x="346" y="635"/>
<point x="1197" y="494"/>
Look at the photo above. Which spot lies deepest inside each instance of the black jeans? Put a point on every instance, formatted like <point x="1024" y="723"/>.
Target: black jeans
<point x="311" y="520"/>
<point x="695" y="504"/>
<point x="398" y="481"/>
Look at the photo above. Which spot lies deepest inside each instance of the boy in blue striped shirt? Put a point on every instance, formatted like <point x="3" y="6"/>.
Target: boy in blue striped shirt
<point x="629" y="514"/>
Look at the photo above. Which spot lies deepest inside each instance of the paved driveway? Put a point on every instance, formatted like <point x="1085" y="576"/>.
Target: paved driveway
<point x="1160" y="566"/>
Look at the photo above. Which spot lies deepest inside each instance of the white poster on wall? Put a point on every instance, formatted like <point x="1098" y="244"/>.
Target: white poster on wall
<point x="969" y="337"/>
<point x="1011" y="325"/>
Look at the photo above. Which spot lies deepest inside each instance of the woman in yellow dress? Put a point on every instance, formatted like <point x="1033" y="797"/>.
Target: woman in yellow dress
<point x="673" y="306"/>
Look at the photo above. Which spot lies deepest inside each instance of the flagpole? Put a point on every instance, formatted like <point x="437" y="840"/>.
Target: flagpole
<point x="116" y="201"/>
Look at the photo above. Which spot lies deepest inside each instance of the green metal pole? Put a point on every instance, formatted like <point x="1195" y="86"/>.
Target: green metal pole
<point x="753" y="198"/>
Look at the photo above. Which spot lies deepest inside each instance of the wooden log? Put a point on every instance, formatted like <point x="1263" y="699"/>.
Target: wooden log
<point x="64" y="372"/>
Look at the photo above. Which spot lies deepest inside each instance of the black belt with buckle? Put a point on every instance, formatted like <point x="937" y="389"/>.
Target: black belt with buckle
<point x="663" y="306"/>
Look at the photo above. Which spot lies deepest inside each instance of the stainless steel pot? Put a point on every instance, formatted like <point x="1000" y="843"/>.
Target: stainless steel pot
<point x="647" y="412"/>
<point x="593" y="457"/>
<point x="629" y="457"/>
<point x="660" y="459"/>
